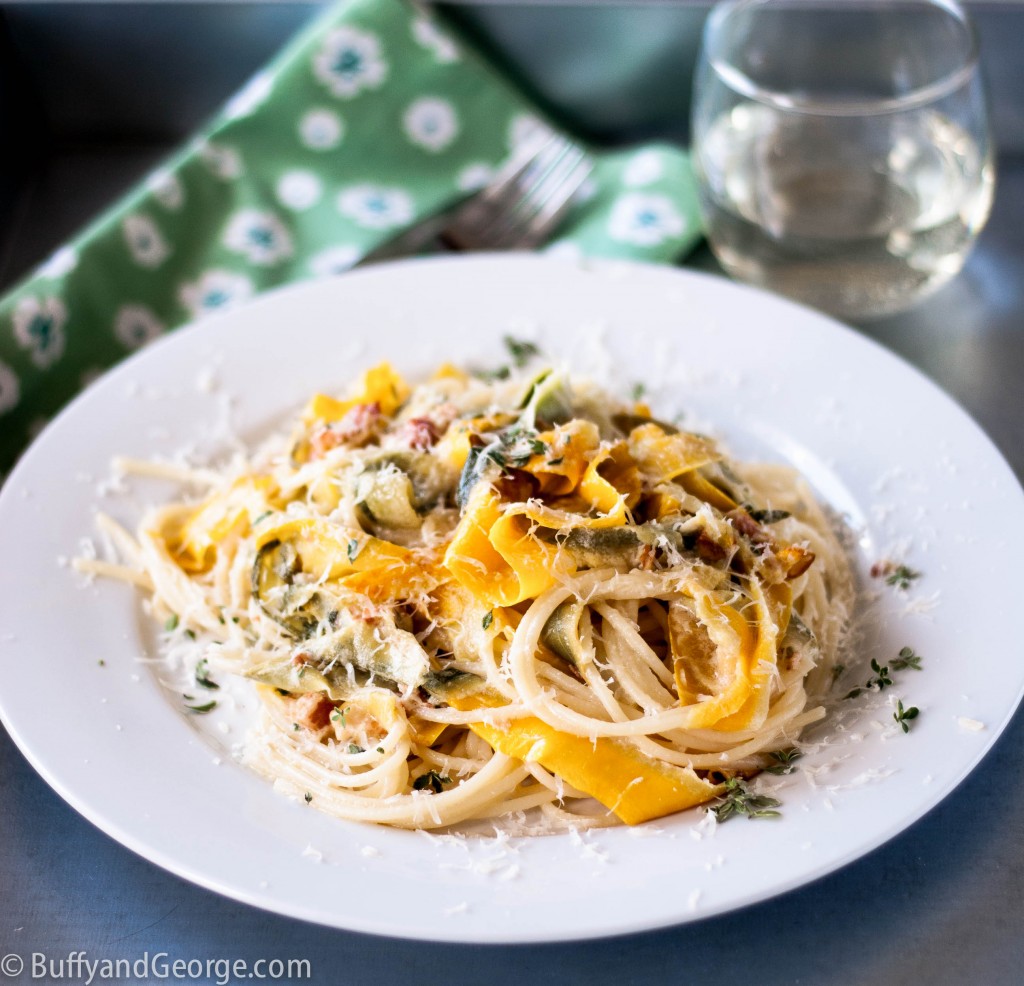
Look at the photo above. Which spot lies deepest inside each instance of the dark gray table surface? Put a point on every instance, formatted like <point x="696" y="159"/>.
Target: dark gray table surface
<point x="942" y="903"/>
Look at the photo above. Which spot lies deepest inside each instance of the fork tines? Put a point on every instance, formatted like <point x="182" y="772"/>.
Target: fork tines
<point x="527" y="199"/>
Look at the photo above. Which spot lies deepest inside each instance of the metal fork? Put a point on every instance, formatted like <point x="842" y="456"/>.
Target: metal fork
<point x="527" y="199"/>
<point x="519" y="208"/>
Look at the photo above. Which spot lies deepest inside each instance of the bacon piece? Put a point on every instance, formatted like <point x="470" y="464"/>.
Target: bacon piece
<point x="419" y="434"/>
<point x="517" y="485"/>
<point x="747" y="526"/>
<point x="424" y="432"/>
<point x="358" y="425"/>
<point x="322" y="440"/>
<point x="313" y="710"/>
<point x="793" y="559"/>
<point x="708" y="549"/>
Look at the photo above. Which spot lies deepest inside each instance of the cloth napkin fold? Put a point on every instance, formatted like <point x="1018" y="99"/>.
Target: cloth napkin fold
<point x="370" y="121"/>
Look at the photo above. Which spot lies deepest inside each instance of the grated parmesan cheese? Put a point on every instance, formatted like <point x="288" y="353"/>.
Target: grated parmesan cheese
<point x="970" y="725"/>
<point x="313" y="854"/>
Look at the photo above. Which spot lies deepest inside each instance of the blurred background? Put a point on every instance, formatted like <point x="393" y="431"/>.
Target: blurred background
<point x="92" y="95"/>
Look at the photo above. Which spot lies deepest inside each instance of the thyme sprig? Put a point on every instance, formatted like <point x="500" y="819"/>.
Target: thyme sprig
<point x="521" y="350"/>
<point x="740" y="800"/>
<point x="879" y="683"/>
<point x="784" y="760"/>
<point x="901" y="577"/>
<point x="907" y="659"/>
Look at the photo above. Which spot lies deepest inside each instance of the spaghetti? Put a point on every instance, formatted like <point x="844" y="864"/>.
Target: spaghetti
<point x="469" y="599"/>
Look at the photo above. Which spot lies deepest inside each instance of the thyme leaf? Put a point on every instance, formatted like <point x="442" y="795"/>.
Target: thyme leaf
<point x="470" y="475"/>
<point x="499" y="373"/>
<point x="768" y="516"/>
<point x="904" y="716"/>
<point x="431" y="779"/>
<point x="202" y="676"/>
<point x="521" y="350"/>
<point x="201" y="710"/>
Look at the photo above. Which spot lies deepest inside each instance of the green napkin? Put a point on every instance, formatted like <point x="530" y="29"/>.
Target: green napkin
<point x="372" y="120"/>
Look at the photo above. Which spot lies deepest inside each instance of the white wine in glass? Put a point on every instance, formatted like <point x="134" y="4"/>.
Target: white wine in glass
<point x="842" y="148"/>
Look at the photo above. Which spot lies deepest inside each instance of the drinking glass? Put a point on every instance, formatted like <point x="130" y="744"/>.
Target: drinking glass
<point x="842" y="148"/>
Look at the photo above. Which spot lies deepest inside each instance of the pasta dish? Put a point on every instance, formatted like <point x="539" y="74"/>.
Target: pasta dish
<point x="473" y="598"/>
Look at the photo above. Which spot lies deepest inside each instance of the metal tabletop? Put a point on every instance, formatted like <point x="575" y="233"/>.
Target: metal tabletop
<point x="942" y="903"/>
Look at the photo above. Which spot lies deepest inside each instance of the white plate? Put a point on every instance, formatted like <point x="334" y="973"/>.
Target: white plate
<point x="915" y="477"/>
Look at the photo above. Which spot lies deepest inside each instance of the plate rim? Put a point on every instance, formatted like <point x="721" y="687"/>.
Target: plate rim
<point x="282" y="295"/>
